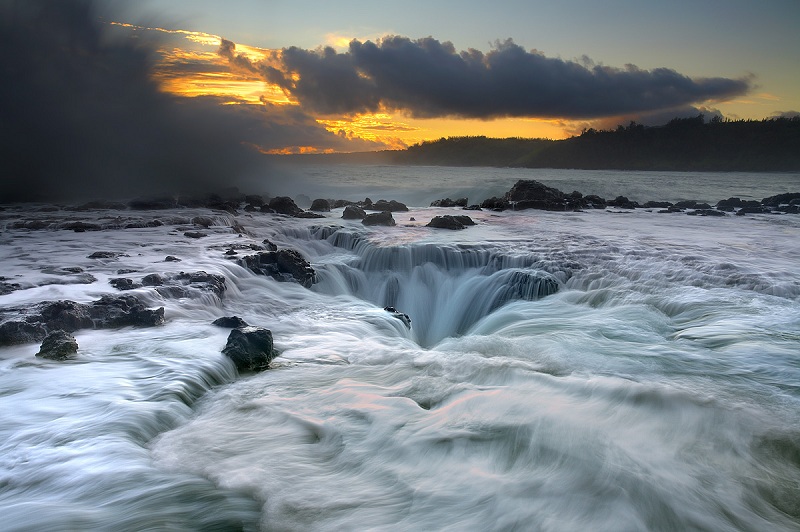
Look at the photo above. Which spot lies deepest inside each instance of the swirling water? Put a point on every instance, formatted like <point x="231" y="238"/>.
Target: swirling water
<point x="563" y="371"/>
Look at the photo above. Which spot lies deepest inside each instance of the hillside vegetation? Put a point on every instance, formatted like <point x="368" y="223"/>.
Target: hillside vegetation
<point x="686" y="144"/>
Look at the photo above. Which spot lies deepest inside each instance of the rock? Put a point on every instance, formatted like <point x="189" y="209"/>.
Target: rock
<point x="622" y="202"/>
<point x="399" y="315"/>
<point x="229" y="322"/>
<point x="21" y="332"/>
<point x="104" y="255"/>
<point x="447" y="202"/>
<point x="353" y="212"/>
<point x="320" y="205"/>
<point x="153" y="279"/>
<point x="205" y="281"/>
<point x="58" y="345"/>
<point x="450" y="222"/>
<point x="254" y="199"/>
<point x="495" y="204"/>
<point x="284" y="205"/>
<point x="203" y="221"/>
<point x="780" y="199"/>
<point x="170" y="258"/>
<point x="657" y="205"/>
<point x="194" y="234"/>
<point x="123" y="283"/>
<point x="268" y="245"/>
<point x="284" y="265"/>
<point x="338" y="204"/>
<point x="594" y="201"/>
<point x="530" y="190"/>
<point x="706" y="212"/>
<point x="391" y="206"/>
<point x="379" y="218"/>
<point x="250" y="348"/>
<point x="472" y="208"/>
<point x="308" y="214"/>
<point x="34" y="322"/>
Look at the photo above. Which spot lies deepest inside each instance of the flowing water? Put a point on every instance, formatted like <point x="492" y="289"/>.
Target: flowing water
<point x="563" y="371"/>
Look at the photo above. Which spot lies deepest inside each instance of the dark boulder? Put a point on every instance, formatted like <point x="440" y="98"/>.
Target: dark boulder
<point x="353" y="212"/>
<point x="472" y="208"/>
<point x="447" y="202"/>
<point x="254" y="199"/>
<point x="657" y="205"/>
<point x="308" y="214"/>
<point x="269" y="245"/>
<point x="152" y="279"/>
<point x="391" y="206"/>
<point x="250" y="348"/>
<point x="284" y="205"/>
<point x="594" y="201"/>
<point x="320" y="205"/>
<point x="284" y="265"/>
<point x="58" y="345"/>
<point x="194" y="234"/>
<point x="21" y="332"/>
<point x="780" y="199"/>
<point x="706" y="212"/>
<point x="379" y="218"/>
<point x="229" y="322"/>
<point x="622" y="202"/>
<point x="123" y="311"/>
<point x="203" y="221"/>
<point x="104" y="255"/>
<point x="171" y="258"/>
<point x="124" y="283"/>
<point x="530" y="190"/>
<point x="339" y="203"/>
<point x="495" y="204"/>
<point x="450" y="222"/>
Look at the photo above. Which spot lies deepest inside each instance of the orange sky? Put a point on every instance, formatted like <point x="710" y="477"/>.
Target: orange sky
<point x="391" y="129"/>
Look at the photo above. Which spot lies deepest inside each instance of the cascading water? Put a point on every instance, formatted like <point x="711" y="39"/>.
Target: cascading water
<point x="563" y="371"/>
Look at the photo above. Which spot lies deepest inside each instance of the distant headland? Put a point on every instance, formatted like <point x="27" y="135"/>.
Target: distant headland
<point x="683" y="144"/>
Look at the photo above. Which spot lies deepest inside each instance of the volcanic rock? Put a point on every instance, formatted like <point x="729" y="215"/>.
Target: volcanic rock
<point x="320" y="205"/>
<point x="450" y="222"/>
<point x="123" y="283"/>
<point x="353" y="212"/>
<point x="58" y="345"/>
<point x="229" y="322"/>
<point x="391" y="206"/>
<point x="495" y="204"/>
<point x="250" y="348"/>
<point x="379" y="218"/>
<point x="284" y="265"/>
<point x="447" y="202"/>
<point x="284" y="205"/>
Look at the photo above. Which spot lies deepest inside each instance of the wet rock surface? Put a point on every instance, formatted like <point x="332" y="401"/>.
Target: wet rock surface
<point x="282" y="265"/>
<point x="250" y="348"/>
<point x="379" y="218"/>
<point x="58" y="345"/>
<point x="451" y="222"/>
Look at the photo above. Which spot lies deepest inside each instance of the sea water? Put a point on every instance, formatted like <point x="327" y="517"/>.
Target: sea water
<point x="600" y="370"/>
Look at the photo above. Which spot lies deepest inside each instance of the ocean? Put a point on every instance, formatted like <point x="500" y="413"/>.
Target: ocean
<point x="601" y="370"/>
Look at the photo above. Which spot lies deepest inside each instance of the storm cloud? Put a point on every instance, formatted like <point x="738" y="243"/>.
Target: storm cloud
<point x="81" y="116"/>
<point x="429" y="78"/>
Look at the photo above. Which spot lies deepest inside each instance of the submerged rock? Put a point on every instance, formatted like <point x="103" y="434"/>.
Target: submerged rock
<point x="250" y="348"/>
<point x="399" y="315"/>
<point x="58" y="345"/>
<point x="379" y="218"/>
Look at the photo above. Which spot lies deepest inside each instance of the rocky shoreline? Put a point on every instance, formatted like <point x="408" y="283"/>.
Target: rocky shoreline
<point x="53" y="322"/>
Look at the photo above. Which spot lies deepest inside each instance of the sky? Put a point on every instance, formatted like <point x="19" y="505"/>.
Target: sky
<point x="156" y="88"/>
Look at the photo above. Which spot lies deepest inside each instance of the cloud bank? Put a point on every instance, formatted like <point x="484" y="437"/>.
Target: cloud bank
<point x="429" y="78"/>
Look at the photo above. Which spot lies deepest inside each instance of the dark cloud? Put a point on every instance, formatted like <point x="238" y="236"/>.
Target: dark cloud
<point x="82" y="117"/>
<point x="430" y="78"/>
